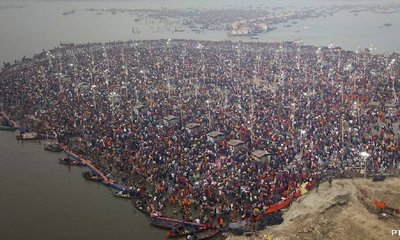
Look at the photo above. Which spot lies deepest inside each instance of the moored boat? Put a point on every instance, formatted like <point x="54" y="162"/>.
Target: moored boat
<point x="27" y="136"/>
<point x="182" y="231"/>
<point x="167" y="222"/>
<point x="179" y="30"/>
<point x="201" y="234"/>
<point x="91" y="176"/>
<point x="6" y="124"/>
<point x="121" y="194"/>
<point x="140" y="205"/>
<point x="53" y="147"/>
<point x="7" y="128"/>
<point x="71" y="162"/>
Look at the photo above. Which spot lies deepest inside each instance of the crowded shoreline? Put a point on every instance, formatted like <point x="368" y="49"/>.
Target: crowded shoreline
<point x="312" y="109"/>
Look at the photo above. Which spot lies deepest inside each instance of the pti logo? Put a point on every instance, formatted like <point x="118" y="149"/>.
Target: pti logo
<point x="396" y="233"/>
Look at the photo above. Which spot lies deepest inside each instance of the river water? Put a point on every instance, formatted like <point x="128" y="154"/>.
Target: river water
<point x="41" y="199"/>
<point x="27" y="27"/>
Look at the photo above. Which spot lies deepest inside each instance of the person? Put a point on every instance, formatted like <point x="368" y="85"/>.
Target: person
<point x="175" y="230"/>
<point x="192" y="236"/>
<point x="330" y="182"/>
<point x="220" y="222"/>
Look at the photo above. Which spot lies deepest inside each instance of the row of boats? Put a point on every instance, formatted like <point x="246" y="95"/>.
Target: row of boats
<point x="7" y="127"/>
<point x="6" y="124"/>
<point x="177" y="228"/>
<point x="183" y="230"/>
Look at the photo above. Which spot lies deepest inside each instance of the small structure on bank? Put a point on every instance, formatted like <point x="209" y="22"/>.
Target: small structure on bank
<point x="236" y="145"/>
<point x="261" y="156"/>
<point x="375" y="72"/>
<point x="114" y="98"/>
<point x="140" y="109"/>
<point x="171" y="120"/>
<point x="193" y="128"/>
<point x="215" y="136"/>
<point x="83" y="86"/>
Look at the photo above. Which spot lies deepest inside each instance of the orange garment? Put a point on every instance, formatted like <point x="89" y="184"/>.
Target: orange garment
<point x="380" y="204"/>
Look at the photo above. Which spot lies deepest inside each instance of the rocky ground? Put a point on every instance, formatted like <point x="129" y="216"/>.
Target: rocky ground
<point x="339" y="212"/>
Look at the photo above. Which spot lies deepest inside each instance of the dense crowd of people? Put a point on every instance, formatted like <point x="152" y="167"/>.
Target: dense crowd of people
<point x="313" y="109"/>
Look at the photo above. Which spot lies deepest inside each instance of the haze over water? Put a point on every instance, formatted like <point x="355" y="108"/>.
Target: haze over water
<point x="41" y="25"/>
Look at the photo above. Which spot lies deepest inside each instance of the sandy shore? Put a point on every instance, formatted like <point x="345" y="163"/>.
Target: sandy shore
<point x="338" y="213"/>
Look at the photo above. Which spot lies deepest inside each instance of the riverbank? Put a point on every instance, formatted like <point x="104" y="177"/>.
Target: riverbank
<point x="213" y="140"/>
<point x="43" y="199"/>
<point x="338" y="212"/>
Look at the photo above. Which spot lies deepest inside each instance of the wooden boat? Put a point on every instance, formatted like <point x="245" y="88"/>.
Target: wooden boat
<point x="201" y="234"/>
<point x="378" y="177"/>
<point x="270" y="220"/>
<point x="71" y="162"/>
<point x="92" y="176"/>
<point x="140" y="205"/>
<point x="178" y="232"/>
<point x="6" y="124"/>
<point x="238" y="228"/>
<point x="182" y="231"/>
<point x="275" y="208"/>
<point x="27" y="136"/>
<point x="53" y="147"/>
<point x="7" y="128"/>
<point x="167" y="222"/>
<point x="179" y="30"/>
<point x="121" y="194"/>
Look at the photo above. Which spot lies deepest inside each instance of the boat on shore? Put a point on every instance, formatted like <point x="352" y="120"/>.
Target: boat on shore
<point x="179" y="232"/>
<point x="91" y="176"/>
<point x="53" y="147"/>
<point x="122" y="194"/>
<point x="179" y="30"/>
<point x="201" y="234"/>
<point x="6" y="124"/>
<point x="170" y="223"/>
<point x="27" y="136"/>
<point x="140" y="205"/>
<point x="68" y="12"/>
<point x="7" y="128"/>
<point x="240" y="34"/>
<point x="71" y="162"/>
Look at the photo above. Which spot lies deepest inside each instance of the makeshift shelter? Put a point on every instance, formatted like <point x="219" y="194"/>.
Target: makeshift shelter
<point x="170" y="120"/>
<point x="261" y="156"/>
<point x="83" y="86"/>
<point x="114" y="98"/>
<point x="236" y="145"/>
<point x="140" y="109"/>
<point x="193" y="128"/>
<point x="215" y="136"/>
